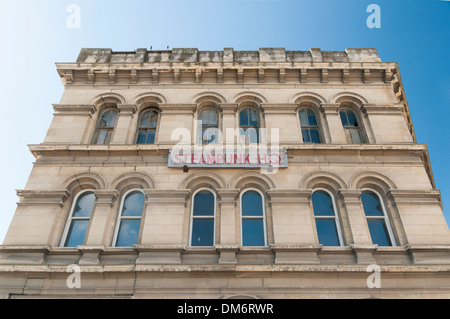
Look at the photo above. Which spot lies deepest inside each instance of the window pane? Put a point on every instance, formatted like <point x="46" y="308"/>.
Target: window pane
<point x="312" y="118"/>
<point x="352" y="119"/>
<point x="244" y="118"/>
<point x="327" y="232"/>
<point x="254" y="118"/>
<point x="150" y="137"/>
<point x="355" y="136"/>
<point x="252" y="204"/>
<point x="108" y="119"/>
<point x="77" y="233"/>
<point x="344" y="119"/>
<point x="145" y="119"/>
<point x="371" y="204"/>
<point x="133" y="204"/>
<point x="250" y="135"/>
<point x="101" y="137"/>
<point x="322" y="204"/>
<point x="128" y="232"/>
<point x="153" y="119"/>
<point x="253" y="232"/>
<point x="204" y="204"/>
<point x="314" y="133"/>
<point x="142" y="137"/>
<point x="209" y="135"/>
<point x="203" y="232"/>
<point x="305" y="135"/>
<point x="209" y="117"/>
<point x="303" y="118"/>
<point x="378" y="232"/>
<point x="84" y="205"/>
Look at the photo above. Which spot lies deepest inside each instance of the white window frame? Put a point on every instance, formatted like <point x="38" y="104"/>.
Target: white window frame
<point x="148" y="109"/>
<point x="200" y="126"/>
<point x="245" y="139"/>
<point x="348" y="129"/>
<point x="385" y="216"/>
<point x="202" y="217"/>
<point x="336" y="215"/>
<point x="71" y="218"/>
<point x="113" y="129"/>
<point x="253" y="217"/>
<point x="119" y="215"/>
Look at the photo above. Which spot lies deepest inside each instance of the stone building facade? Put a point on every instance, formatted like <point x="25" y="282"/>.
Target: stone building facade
<point x="343" y="205"/>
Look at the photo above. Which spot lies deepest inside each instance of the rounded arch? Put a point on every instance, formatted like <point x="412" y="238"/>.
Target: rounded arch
<point x="83" y="181"/>
<point x="109" y="99"/>
<point x="322" y="179"/>
<point x="149" y="99"/>
<point x="251" y="179"/>
<point x="372" y="180"/>
<point x="307" y="97"/>
<point x="203" y="179"/>
<point x="211" y="97"/>
<point x="249" y="96"/>
<point x="349" y="97"/>
<point x="133" y="180"/>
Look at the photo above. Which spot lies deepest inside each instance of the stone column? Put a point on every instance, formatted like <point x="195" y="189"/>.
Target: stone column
<point x="293" y="227"/>
<point x="102" y="218"/>
<point x="283" y="118"/>
<point x="164" y="218"/>
<point x="178" y="117"/>
<point x="361" y="245"/>
<point x="291" y="216"/>
<point x="419" y="217"/>
<point x="228" y="227"/>
<point x="35" y="216"/>
<point x="333" y="130"/>
<point x="123" y="132"/>
<point x="386" y="123"/>
<point x="228" y="121"/>
<point x="71" y="124"/>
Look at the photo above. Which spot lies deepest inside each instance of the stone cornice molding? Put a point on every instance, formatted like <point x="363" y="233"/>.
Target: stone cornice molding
<point x="178" y="108"/>
<point x="74" y="109"/>
<point x="279" y="108"/>
<point x="169" y="196"/>
<point x="382" y="109"/>
<point x="282" y="196"/>
<point x="329" y="108"/>
<point x="414" y="197"/>
<point x="350" y="196"/>
<point x="105" y="197"/>
<point x="43" y="197"/>
<point x="127" y="109"/>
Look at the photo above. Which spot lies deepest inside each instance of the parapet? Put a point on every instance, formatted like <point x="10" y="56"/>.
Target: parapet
<point x="228" y="55"/>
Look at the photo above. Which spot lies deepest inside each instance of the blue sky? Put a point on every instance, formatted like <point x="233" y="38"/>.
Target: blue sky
<point x="34" y="36"/>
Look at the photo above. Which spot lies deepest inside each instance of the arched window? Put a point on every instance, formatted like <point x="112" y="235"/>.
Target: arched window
<point x="352" y="129"/>
<point x="129" y="219"/>
<point x="253" y="219"/>
<point x="147" y="127"/>
<point x="105" y="127"/>
<point x="327" y="222"/>
<point x="203" y="218"/>
<point x="249" y="125"/>
<point x="79" y="218"/>
<point x="208" y="132"/>
<point x="309" y="125"/>
<point x="377" y="220"/>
